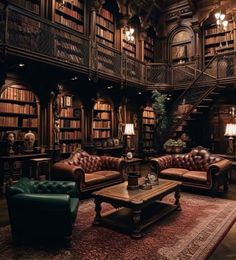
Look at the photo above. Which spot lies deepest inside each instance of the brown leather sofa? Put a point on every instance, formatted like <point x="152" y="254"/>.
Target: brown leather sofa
<point x="90" y="172"/>
<point x="198" y="168"/>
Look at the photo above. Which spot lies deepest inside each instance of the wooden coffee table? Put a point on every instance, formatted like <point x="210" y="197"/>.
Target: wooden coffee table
<point x="135" y="209"/>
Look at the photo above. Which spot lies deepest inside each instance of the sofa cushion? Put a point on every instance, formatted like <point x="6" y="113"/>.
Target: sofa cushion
<point x="100" y="176"/>
<point x="199" y="176"/>
<point x="173" y="172"/>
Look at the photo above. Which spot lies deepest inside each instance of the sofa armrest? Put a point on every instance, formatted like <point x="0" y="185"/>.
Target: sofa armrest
<point x="161" y="163"/>
<point x="112" y="163"/>
<point x="67" y="172"/>
<point x="56" y="187"/>
<point x="219" y="167"/>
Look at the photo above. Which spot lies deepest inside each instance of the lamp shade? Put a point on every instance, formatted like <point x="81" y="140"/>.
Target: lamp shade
<point x="230" y="130"/>
<point x="129" y="129"/>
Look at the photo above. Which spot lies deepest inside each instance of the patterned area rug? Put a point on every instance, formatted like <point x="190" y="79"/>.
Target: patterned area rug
<point x="192" y="233"/>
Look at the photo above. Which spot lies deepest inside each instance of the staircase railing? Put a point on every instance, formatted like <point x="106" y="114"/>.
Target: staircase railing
<point x="192" y="96"/>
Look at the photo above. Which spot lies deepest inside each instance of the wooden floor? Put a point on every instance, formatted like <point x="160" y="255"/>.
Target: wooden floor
<point x="225" y="250"/>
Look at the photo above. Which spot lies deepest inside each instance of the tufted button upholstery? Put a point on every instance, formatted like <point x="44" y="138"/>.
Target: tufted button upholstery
<point x="198" y="168"/>
<point x="89" y="171"/>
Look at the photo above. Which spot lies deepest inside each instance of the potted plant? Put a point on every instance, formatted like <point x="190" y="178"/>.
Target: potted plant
<point x="179" y="146"/>
<point x="173" y="146"/>
<point x="168" y="145"/>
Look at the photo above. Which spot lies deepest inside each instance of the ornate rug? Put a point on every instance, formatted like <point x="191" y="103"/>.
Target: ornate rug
<point x="192" y="233"/>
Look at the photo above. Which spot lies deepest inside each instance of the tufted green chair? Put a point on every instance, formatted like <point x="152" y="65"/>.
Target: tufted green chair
<point x="42" y="210"/>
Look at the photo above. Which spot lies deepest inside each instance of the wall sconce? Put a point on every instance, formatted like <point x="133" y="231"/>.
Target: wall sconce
<point x="230" y="131"/>
<point x="129" y="34"/>
<point x="128" y="132"/>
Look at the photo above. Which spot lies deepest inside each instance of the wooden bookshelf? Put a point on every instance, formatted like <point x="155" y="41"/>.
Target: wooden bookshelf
<point x="149" y="49"/>
<point x="217" y="40"/>
<point x="180" y="47"/>
<point x="129" y="48"/>
<point x="70" y="122"/>
<point x="70" y="14"/>
<point x="18" y="113"/>
<point x="102" y="120"/>
<point x="30" y="5"/>
<point x="105" y="28"/>
<point x="148" y="123"/>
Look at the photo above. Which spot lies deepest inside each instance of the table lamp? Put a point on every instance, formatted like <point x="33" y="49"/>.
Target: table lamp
<point x="230" y="131"/>
<point x="128" y="132"/>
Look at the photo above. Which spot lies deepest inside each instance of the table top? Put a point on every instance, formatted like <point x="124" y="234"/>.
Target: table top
<point x="133" y="160"/>
<point x="120" y="192"/>
<point x="22" y="156"/>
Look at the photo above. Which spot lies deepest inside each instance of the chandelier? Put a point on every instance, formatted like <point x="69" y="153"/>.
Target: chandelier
<point x="129" y="34"/>
<point x="221" y="22"/>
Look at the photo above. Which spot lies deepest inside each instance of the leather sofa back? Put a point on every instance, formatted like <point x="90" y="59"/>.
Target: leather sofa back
<point x="198" y="158"/>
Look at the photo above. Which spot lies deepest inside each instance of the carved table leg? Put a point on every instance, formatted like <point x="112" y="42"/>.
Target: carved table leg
<point x="136" y="224"/>
<point x="98" y="208"/>
<point x="177" y="197"/>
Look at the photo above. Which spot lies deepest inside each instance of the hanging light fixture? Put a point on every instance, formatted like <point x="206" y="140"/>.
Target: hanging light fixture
<point x="129" y="34"/>
<point x="220" y="19"/>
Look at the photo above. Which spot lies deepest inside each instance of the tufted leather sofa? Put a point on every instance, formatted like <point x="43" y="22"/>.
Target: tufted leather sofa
<point x="90" y="172"/>
<point x="198" y="168"/>
<point x="40" y="210"/>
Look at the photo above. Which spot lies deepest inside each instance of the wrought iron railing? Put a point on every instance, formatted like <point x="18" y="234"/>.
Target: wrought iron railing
<point x="157" y="73"/>
<point x="22" y="30"/>
<point x="33" y="34"/>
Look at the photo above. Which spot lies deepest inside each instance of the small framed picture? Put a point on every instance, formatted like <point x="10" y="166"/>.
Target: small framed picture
<point x="67" y="102"/>
<point x="116" y="142"/>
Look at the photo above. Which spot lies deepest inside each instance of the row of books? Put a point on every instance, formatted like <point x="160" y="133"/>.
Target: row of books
<point x="220" y="38"/>
<point x="67" y="135"/>
<point x="102" y="115"/>
<point x="101" y="21"/>
<point x="148" y="128"/>
<point x="148" y="135"/>
<point x="149" y="40"/>
<point x="105" y="42"/>
<point x="102" y="106"/>
<point x="18" y="94"/>
<point x="76" y="3"/>
<point x="67" y="112"/>
<point x="128" y="46"/>
<point x="147" y="113"/>
<point x="107" y="14"/>
<point x="69" y="23"/>
<point x="30" y="122"/>
<point x="69" y="55"/>
<point x="16" y="108"/>
<point x="101" y="134"/>
<point x="69" y="148"/>
<point x="105" y="34"/>
<point x="215" y="29"/>
<point x="148" y="55"/>
<point x="70" y="123"/>
<point x="101" y="124"/>
<point x="8" y="121"/>
<point x="33" y="6"/>
<point x="147" y="144"/>
<point x="128" y="53"/>
<point x="148" y="47"/>
<point x="148" y="121"/>
<point x="69" y="12"/>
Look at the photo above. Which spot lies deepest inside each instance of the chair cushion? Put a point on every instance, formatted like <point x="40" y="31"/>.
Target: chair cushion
<point x="74" y="203"/>
<point x="174" y="172"/>
<point x="100" y="176"/>
<point x="199" y="176"/>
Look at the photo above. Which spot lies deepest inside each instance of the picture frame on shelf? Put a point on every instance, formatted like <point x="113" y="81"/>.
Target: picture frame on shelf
<point x="116" y="142"/>
<point x="67" y="101"/>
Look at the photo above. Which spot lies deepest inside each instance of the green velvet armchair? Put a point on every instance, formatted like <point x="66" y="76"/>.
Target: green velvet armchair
<point x="42" y="210"/>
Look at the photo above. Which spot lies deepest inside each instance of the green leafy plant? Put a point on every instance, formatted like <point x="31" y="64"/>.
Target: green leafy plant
<point x="159" y="107"/>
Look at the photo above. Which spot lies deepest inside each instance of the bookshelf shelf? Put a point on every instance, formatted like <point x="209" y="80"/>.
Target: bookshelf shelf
<point x="102" y="120"/>
<point x="218" y="41"/>
<point x="30" y="5"/>
<point x="19" y="112"/>
<point x="71" y="130"/>
<point x="148" y="122"/>
<point x="70" y="14"/>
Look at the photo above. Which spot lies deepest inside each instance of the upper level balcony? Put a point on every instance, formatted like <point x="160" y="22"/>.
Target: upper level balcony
<point x="25" y="34"/>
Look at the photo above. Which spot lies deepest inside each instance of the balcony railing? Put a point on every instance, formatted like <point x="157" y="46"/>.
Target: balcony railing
<point x="25" y="32"/>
